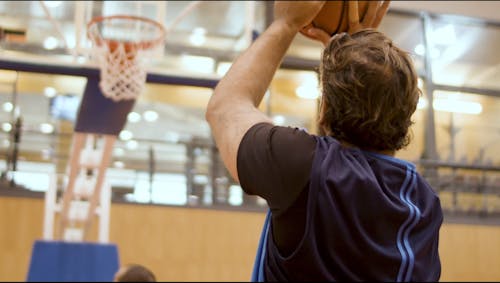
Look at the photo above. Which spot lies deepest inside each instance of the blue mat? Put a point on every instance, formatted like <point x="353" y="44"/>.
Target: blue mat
<point x="58" y="261"/>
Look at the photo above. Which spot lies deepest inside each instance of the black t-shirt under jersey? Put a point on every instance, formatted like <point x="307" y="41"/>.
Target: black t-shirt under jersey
<point x="278" y="171"/>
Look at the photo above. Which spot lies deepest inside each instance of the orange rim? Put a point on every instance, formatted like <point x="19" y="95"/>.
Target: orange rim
<point x="143" y="45"/>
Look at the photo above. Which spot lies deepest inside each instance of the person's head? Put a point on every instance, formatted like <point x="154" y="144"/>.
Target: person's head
<point x="134" y="273"/>
<point x="369" y="91"/>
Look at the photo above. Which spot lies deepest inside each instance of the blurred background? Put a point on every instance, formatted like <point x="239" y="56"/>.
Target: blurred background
<point x="165" y="155"/>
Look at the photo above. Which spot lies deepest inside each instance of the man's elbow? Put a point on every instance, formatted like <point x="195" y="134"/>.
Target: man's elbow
<point x="218" y="105"/>
<point x="213" y="108"/>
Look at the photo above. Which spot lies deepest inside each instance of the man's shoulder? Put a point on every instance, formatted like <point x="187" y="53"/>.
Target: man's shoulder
<point x="282" y="133"/>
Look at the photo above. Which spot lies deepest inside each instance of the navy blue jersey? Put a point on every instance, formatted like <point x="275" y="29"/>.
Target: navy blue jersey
<point x="366" y="216"/>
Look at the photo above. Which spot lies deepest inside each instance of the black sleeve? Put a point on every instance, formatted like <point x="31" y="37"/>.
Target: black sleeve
<point x="274" y="163"/>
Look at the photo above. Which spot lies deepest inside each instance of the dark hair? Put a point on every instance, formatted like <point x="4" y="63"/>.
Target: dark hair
<point x="370" y="91"/>
<point x="135" y="273"/>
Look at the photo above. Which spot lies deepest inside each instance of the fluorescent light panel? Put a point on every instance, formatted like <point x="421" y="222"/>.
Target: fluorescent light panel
<point x="452" y="102"/>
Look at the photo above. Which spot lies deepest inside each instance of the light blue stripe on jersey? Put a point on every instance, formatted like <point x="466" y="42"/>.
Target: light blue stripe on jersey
<point x="403" y="243"/>
<point x="399" y="241"/>
<point x="407" y="256"/>
<point x="258" y="267"/>
<point x="413" y="224"/>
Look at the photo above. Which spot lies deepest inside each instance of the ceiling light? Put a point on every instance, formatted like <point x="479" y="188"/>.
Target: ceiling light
<point x="7" y="106"/>
<point x="420" y="50"/>
<point x="279" y="120"/>
<point x="6" y="127"/>
<point x="53" y="4"/>
<point x="199" y="64"/>
<point x="50" y="43"/>
<point x="118" y="164"/>
<point x="119" y="151"/>
<point x="307" y="91"/>
<point x="125" y="135"/>
<point x="444" y="35"/>
<point x="134" y="117"/>
<point x="50" y="92"/>
<point x="235" y="195"/>
<point x="46" y="128"/>
<point x="81" y="59"/>
<point x="197" y="37"/>
<point x="457" y="106"/>
<point x="150" y="115"/>
<point x="131" y="144"/>
<point x="222" y="68"/>
<point x="452" y="104"/>
<point x="420" y="83"/>
<point x="422" y="103"/>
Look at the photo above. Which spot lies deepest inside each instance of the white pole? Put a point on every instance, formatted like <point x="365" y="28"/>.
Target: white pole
<point x="246" y="38"/>
<point x="250" y="21"/>
<point x="161" y="15"/>
<point x="103" y="211"/>
<point x="56" y="25"/>
<point x="50" y="208"/>
<point x="79" y="22"/>
<point x="189" y="8"/>
<point x="87" y="45"/>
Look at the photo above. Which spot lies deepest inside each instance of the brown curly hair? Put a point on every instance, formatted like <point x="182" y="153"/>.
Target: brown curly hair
<point x="134" y="273"/>
<point x="369" y="91"/>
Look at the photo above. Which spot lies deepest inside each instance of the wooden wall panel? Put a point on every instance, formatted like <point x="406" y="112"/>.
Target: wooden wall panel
<point x="21" y="222"/>
<point x="181" y="244"/>
<point x="470" y="253"/>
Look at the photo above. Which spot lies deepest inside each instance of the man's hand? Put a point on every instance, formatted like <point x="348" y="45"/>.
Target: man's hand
<point x="376" y="11"/>
<point x="314" y="33"/>
<point x="297" y="14"/>
<point x="372" y="19"/>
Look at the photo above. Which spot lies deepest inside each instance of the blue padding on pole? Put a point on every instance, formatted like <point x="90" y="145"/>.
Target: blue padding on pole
<point x="55" y="261"/>
<point x="99" y="114"/>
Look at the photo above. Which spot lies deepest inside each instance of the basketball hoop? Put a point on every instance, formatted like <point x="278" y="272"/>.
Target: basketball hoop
<point x="120" y="45"/>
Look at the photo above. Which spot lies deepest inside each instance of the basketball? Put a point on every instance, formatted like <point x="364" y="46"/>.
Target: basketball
<point x="333" y="17"/>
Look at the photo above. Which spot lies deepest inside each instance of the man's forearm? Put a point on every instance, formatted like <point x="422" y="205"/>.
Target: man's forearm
<point x="232" y="109"/>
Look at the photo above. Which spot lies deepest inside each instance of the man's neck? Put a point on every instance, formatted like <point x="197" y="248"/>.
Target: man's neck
<point x="385" y="152"/>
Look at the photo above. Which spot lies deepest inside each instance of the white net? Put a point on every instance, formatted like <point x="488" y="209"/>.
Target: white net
<point x="122" y="74"/>
<point x="121" y="45"/>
